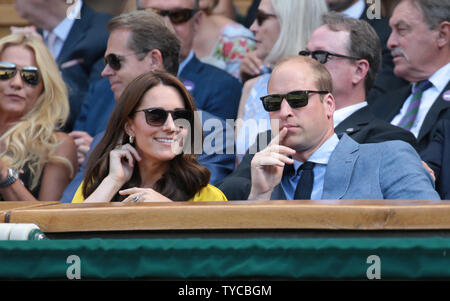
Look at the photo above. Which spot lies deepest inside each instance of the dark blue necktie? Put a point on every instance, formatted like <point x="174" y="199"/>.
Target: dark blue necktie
<point x="305" y="185"/>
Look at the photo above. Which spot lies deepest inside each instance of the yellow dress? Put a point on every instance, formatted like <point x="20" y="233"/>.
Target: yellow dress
<point x="208" y="193"/>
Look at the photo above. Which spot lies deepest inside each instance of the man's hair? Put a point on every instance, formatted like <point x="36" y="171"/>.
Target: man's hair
<point x="323" y="80"/>
<point x="434" y="11"/>
<point x="149" y="31"/>
<point x="364" y="42"/>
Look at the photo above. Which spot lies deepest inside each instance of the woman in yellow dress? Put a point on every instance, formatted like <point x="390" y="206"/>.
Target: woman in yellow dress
<point x="146" y="154"/>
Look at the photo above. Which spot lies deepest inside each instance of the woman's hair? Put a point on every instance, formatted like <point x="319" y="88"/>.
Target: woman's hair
<point x="31" y="141"/>
<point x="298" y="19"/>
<point x="184" y="176"/>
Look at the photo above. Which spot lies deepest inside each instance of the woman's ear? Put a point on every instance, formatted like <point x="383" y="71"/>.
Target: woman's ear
<point x="128" y="129"/>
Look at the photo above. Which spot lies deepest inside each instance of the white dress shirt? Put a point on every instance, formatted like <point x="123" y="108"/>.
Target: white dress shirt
<point x="320" y="157"/>
<point x="356" y="10"/>
<point x="439" y="80"/>
<point x="342" y="114"/>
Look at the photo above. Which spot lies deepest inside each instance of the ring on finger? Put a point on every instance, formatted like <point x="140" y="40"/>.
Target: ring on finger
<point x="135" y="198"/>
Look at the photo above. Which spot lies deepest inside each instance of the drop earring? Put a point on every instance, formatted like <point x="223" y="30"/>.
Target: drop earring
<point x="131" y="139"/>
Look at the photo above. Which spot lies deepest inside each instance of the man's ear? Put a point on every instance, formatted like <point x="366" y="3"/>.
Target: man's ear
<point x="154" y="60"/>
<point x="329" y="102"/>
<point x="362" y="68"/>
<point x="198" y="19"/>
<point x="443" y="34"/>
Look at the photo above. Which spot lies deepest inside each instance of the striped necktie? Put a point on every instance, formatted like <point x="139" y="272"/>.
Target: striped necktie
<point x="407" y="121"/>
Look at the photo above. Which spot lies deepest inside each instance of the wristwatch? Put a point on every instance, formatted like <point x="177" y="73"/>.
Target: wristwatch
<point x="10" y="179"/>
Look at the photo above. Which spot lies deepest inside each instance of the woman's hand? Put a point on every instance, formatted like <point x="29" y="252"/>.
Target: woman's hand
<point x="143" y="195"/>
<point x="121" y="163"/>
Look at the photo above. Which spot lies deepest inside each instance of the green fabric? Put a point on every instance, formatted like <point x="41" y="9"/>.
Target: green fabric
<point x="268" y="258"/>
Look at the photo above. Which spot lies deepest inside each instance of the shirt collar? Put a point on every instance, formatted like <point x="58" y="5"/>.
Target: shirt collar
<point x="185" y="62"/>
<point x="341" y="114"/>
<point x="62" y="30"/>
<point x="356" y="10"/>
<point x="322" y="154"/>
<point x="439" y="79"/>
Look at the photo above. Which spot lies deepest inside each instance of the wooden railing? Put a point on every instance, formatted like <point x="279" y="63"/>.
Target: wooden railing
<point x="54" y="217"/>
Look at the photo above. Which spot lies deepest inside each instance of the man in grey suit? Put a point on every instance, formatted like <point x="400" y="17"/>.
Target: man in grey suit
<point x="307" y="160"/>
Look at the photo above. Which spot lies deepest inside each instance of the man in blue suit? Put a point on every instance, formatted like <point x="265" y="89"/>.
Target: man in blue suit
<point x="213" y="89"/>
<point x="76" y="35"/>
<point x="307" y="160"/>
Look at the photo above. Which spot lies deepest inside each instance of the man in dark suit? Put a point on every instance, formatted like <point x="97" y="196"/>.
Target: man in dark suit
<point x="386" y="80"/>
<point x="76" y="35"/>
<point x="351" y="52"/>
<point x="437" y="156"/>
<point x="214" y="90"/>
<point x="420" y="44"/>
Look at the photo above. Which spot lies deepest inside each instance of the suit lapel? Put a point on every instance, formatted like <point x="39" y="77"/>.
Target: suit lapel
<point x="76" y="34"/>
<point x="353" y="123"/>
<point x="433" y="114"/>
<point x="340" y="168"/>
<point x="389" y="105"/>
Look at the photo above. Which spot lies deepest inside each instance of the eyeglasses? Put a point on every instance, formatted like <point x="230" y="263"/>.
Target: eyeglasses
<point x="115" y="61"/>
<point x="322" y="56"/>
<point x="157" y="117"/>
<point x="262" y="16"/>
<point x="296" y="99"/>
<point x="176" y="16"/>
<point x="29" y="74"/>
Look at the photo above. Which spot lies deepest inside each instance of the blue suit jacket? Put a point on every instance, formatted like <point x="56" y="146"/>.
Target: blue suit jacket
<point x="214" y="90"/>
<point x="86" y="42"/>
<point x="96" y="108"/>
<point x="219" y="158"/>
<point x="386" y="170"/>
<point x="437" y="156"/>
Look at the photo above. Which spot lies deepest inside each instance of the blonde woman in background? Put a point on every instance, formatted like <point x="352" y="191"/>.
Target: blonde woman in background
<point x="281" y="28"/>
<point x="220" y="41"/>
<point x="36" y="161"/>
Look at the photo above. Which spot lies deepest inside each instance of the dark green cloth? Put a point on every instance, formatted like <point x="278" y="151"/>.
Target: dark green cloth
<point x="265" y="258"/>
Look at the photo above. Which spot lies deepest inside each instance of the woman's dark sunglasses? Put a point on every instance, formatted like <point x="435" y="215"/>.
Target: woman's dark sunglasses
<point x="296" y="99"/>
<point x="177" y="16"/>
<point x="262" y="16"/>
<point x="157" y="117"/>
<point x="322" y="56"/>
<point x="29" y="74"/>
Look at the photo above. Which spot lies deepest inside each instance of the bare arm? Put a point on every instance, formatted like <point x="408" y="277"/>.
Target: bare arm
<point x="121" y="166"/>
<point x="56" y="175"/>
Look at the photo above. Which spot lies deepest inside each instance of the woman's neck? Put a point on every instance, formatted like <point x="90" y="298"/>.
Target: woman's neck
<point x="151" y="171"/>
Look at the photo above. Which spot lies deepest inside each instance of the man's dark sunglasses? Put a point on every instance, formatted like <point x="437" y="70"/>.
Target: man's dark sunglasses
<point x="262" y="16"/>
<point x="157" y="117"/>
<point x="115" y="61"/>
<point x="29" y="74"/>
<point x="322" y="56"/>
<point x="296" y="99"/>
<point x="176" y="16"/>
